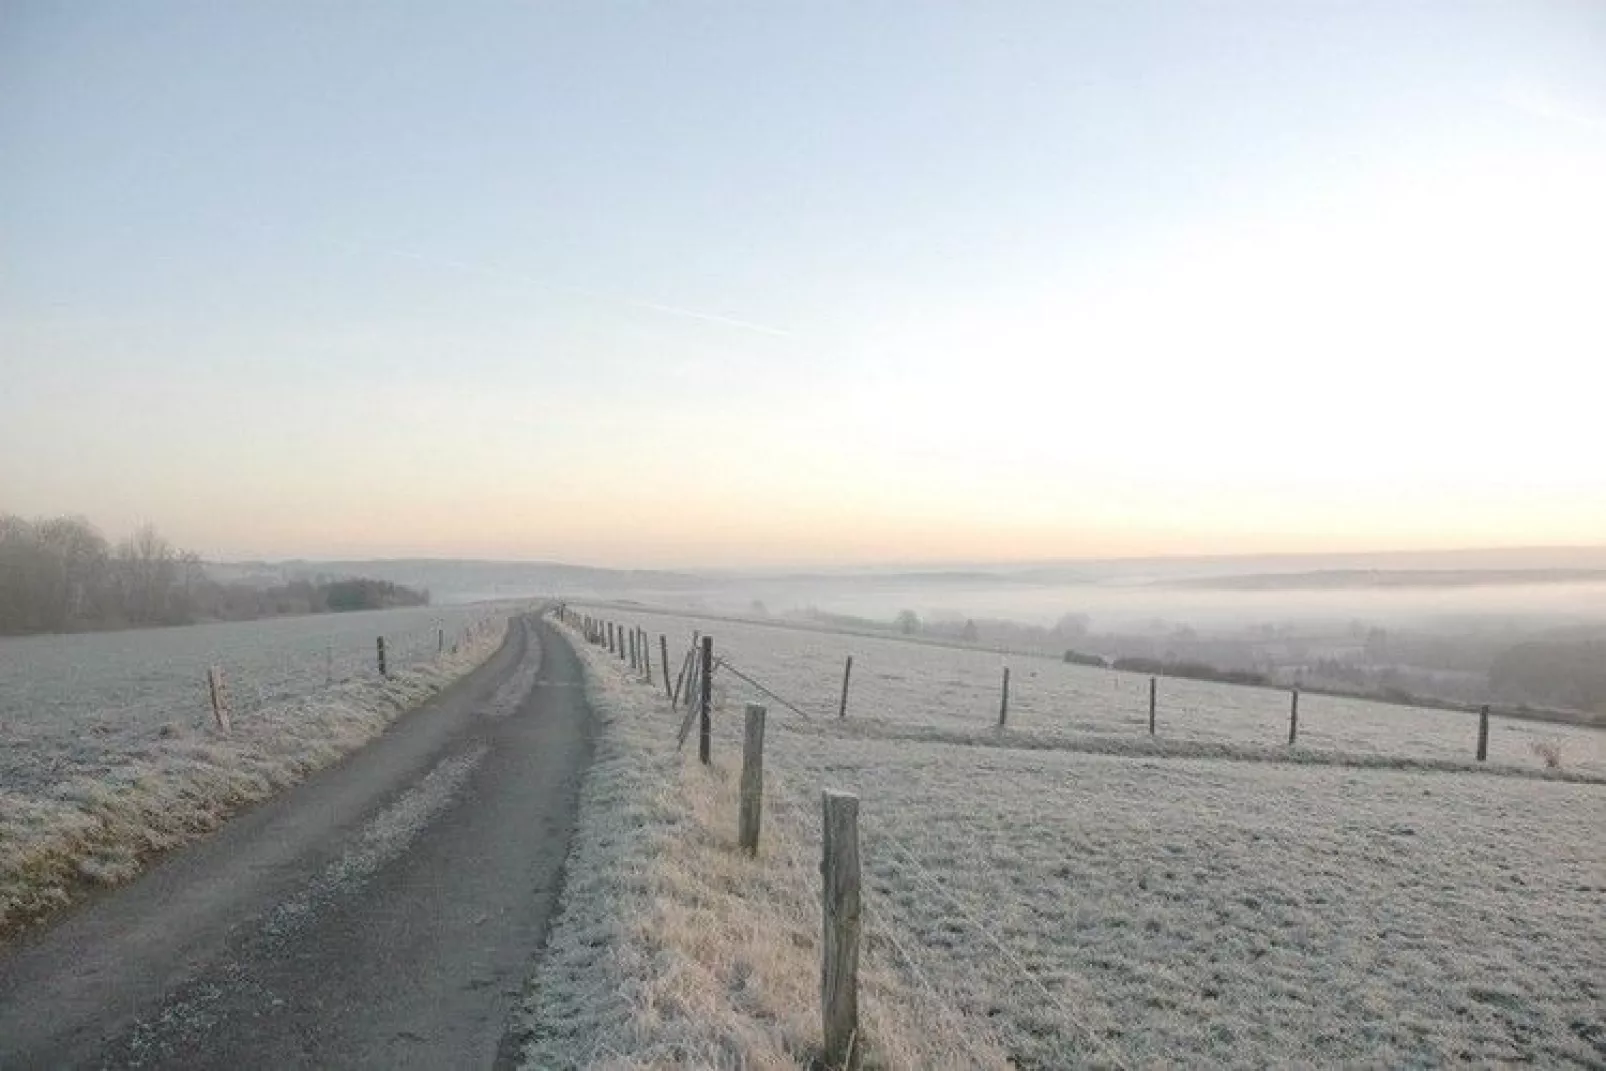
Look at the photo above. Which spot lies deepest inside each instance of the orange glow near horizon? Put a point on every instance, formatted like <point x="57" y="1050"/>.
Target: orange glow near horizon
<point x="1269" y="296"/>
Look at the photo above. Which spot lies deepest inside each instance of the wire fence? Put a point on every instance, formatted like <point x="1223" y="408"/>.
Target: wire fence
<point x="922" y="691"/>
<point x="886" y="850"/>
<point x="895" y="848"/>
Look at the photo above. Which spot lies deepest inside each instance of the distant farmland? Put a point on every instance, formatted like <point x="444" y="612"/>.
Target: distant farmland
<point x="900" y="688"/>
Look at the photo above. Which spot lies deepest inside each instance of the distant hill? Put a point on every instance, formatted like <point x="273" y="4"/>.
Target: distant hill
<point x="459" y="580"/>
<point x="455" y="580"/>
<point x="1328" y="579"/>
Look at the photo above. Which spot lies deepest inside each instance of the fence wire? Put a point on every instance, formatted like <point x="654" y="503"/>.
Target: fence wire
<point x="904" y="856"/>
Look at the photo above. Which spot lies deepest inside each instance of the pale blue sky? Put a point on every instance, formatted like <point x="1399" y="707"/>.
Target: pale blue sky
<point x="722" y="284"/>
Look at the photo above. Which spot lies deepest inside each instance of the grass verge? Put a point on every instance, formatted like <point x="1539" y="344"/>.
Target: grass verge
<point x="672" y="948"/>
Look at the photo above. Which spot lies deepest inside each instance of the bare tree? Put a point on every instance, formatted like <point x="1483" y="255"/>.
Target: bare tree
<point x="147" y="574"/>
<point x="80" y="558"/>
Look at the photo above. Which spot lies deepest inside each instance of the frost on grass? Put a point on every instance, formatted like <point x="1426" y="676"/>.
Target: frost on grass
<point x="100" y="826"/>
<point x="80" y="704"/>
<point x="953" y="690"/>
<point x="1378" y="902"/>
<point x="1100" y="908"/>
<point x="671" y="948"/>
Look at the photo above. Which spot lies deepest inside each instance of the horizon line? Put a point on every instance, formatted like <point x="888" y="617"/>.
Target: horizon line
<point x="927" y="565"/>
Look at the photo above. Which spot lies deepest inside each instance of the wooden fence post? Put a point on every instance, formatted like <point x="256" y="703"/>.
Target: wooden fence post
<point x="220" y="704"/>
<point x="682" y="682"/>
<point x="621" y="631"/>
<point x="752" y="807"/>
<point x="1293" y="716"/>
<point x="847" y="672"/>
<point x="1003" y="705"/>
<point x="610" y="637"/>
<point x="633" y="649"/>
<point x="646" y="655"/>
<point x="1154" y="683"/>
<point x="1483" y="733"/>
<point x="663" y="659"/>
<point x="384" y="671"/>
<point x="705" y="724"/>
<point x="839" y="969"/>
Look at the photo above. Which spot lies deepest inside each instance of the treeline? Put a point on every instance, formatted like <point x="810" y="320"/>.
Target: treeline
<point x="60" y="574"/>
<point x="1198" y="671"/>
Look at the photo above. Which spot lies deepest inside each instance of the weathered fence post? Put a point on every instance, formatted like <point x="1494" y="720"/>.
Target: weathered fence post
<point x="610" y="637"/>
<point x="220" y="705"/>
<point x="752" y="807"/>
<point x="384" y="671"/>
<point x="683" y="682"/>
<point x="621" y="631"/>
<point x="440" y="641"/>
<point x="839" y="968"/>
<point x="1154" y="683"/>
<point x="1483" y="733"/>
<point x="663" y="659"/>
<point x="1293" y="716"/>
<point x="329" y="665"/>
<point x="847" y="673"/>
<point x="705" y="724"/>
<point x="1003" y="704"/>
<point x="646" y="655"/>
<point x="633" y="649"/>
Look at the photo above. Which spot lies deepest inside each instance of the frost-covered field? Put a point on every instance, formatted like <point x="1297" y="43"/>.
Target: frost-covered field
<point x="1074" y="908"/>
<point x="90" y="794"/>
<point x="75" y="705"/>
<point x="906" y="685"/>
<point x="1097" y="908"/>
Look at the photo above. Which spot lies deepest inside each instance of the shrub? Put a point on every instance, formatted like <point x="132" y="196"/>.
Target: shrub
<point x="1550" y="751"/>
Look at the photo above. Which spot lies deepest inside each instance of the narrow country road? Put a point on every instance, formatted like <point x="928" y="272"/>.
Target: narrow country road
<point x="382" y="914"/>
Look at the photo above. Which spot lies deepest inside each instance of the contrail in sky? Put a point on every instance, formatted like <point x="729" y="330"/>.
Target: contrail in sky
<point x="595" y="295"/>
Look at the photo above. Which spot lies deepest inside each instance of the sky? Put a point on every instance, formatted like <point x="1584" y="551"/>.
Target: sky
<point x="720" y="284"/>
